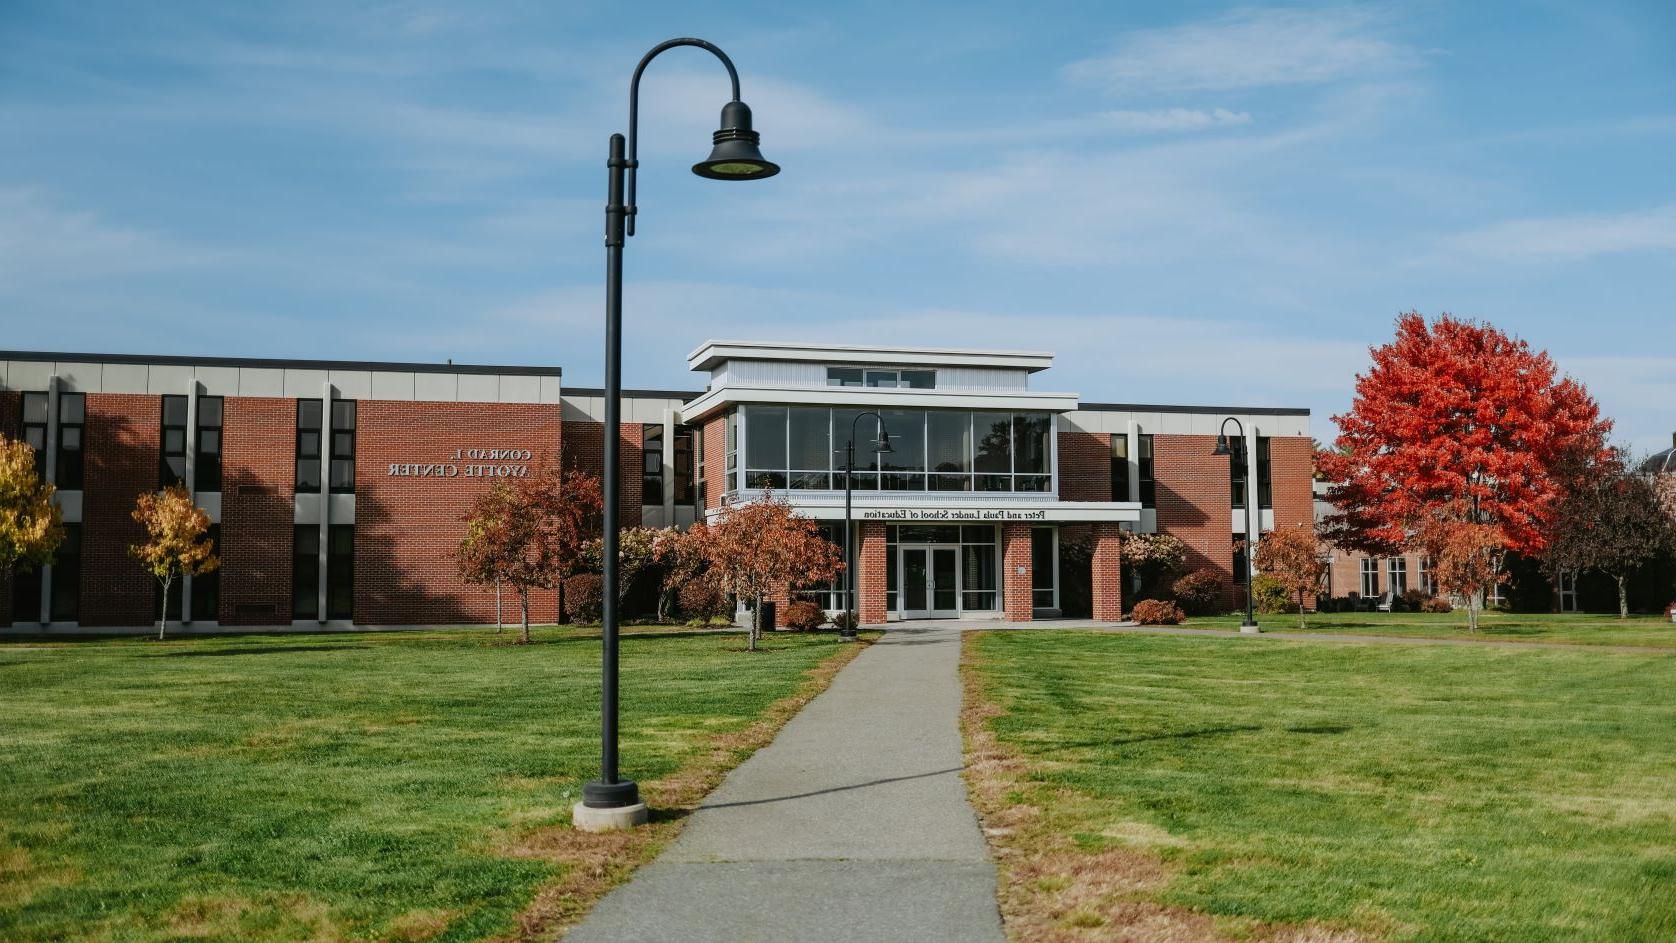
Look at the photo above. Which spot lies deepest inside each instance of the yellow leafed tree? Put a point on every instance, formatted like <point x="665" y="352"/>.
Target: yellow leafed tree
<point x="176" y="542"/>
<point x="30" y="524"/>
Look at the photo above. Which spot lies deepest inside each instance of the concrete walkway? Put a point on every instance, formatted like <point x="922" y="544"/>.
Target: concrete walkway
<point x="852" y="825"/>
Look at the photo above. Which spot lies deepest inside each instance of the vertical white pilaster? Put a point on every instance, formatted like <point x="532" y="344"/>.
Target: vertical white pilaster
<point x="669" y="467"/>
<point x="191" y="489"/>
<point x="1253" y="511"/>
<point x="325" y="495"/>
<point x="1134" y="434"/>
<point x="53" y="384"/>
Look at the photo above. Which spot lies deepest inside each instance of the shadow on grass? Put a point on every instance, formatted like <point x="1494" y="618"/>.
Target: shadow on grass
<point x="261" y="650"/>
<point x="1309" y="729"/>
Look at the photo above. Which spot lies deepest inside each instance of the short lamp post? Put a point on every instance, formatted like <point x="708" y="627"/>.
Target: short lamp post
<point x="612" y="801"/>
<point x="1224" y="447"/>
<point x="852" y="611"/>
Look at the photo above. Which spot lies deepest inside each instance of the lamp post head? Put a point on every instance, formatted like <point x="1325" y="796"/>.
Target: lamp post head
<point x="735" y="155"/>
<point x="884" y="442"/>
<point x="1222" y="446"/>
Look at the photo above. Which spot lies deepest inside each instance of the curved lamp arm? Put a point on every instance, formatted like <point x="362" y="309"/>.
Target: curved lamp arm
<point x="1237" y="425"/>
<point x="634" y="105"/>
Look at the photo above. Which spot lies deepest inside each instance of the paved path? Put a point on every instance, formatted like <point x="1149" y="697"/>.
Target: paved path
<point x="851" y="826"/>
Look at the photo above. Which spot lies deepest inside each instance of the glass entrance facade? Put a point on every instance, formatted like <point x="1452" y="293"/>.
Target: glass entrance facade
<point x="941" y="570"/>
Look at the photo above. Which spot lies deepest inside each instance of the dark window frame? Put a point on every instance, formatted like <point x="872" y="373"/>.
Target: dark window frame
<point x="341" y="431"/>
<point x="71" y="464"/>
<point x="39" y="427"/>
<point x="167" y="474"/>
<point x="1147" y="465"/>
<point x="307" y="478"/>
<point x="206" y="458"/>
<point x="651" y="482"/>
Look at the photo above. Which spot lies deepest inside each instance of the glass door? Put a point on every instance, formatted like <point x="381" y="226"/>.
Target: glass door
<point x="930" y="582"/>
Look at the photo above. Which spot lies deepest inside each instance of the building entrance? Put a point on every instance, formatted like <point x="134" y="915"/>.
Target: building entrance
<point x="930" y="581"/>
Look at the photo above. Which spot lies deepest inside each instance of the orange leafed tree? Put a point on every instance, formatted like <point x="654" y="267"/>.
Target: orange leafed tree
<point x="530" y="533"/>
<point x="1466" y="555"/>
<point x="176" y="542"/>
<point x="1296" y="559"/>
<point x="754" y="549"/>
<point x="1455" y="411"/>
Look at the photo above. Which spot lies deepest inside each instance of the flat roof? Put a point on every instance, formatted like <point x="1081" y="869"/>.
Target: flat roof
<point x="1153" y="408"/>
<point x="708" y="354"/>
<point x="174" y="360"/>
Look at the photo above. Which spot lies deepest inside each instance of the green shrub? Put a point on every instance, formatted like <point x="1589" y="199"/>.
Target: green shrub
<point x="804" y="615"/>
<point x="1271" y="596"/>
<point x="1157" y="612"/>
<point x="1199" y="593"/>
<point x="584" y="598"/>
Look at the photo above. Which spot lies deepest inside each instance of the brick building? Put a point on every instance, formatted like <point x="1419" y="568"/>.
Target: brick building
<point x="336" y="489"/>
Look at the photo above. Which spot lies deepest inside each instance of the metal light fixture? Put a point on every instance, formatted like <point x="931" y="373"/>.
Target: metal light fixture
<point x="1225" y="447"/>
<point x="612" y="800"/>
<point x="1222" y="446"/>
<point x="852" y="605"/>
<point x="735" y="155"/>
<point x="884" y="442"/>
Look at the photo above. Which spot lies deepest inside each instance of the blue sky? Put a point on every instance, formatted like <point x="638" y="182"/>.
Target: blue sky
<point x="1189" y="202"/>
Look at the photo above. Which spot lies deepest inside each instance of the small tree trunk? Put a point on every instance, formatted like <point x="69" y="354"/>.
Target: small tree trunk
<point x="1303" y="619"/>
<point x="1623" y="595"/>
<point x="524" y="607"/>
<point x="1472" y="613"/>
<point x="498" y="621"/>
<point x="163" y="617"/>
<point x="756" y="621"/>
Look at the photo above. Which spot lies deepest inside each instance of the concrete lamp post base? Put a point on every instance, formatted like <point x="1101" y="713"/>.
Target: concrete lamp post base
<point x="1250" y="628"/>
<point x="589" y="819"/>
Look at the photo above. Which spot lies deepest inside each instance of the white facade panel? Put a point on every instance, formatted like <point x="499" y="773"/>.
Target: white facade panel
<point x="352" y="384"/>
<point x="217" y="381"/>
<point x="28" y="375"/>
<point x="392" y="386"/>
<point x="982" y="378"/>
<point x="80" y="377"/>
<point x="304" y="384"/>
<point x="552" y="390"/>
<point x="477" y="387"/>
<point x="435" y="386"/>
<point x="168" y="379"/>
<point x="517" y="389"/>
<point x="261" y="381"/>
<point x="124" y="378"/>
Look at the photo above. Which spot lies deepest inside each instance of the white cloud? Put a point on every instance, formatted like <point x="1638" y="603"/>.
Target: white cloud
<point x="1243" y="49"/>
<point x="1559" y="238"/>
<point x="1174" y="119"/>
<point x="42" y="242"/>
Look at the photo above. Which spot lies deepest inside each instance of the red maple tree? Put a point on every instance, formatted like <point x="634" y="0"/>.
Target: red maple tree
<point x="530" y="532"/>
<point x="761" y="547"/>
<point x="1456" y="411"/>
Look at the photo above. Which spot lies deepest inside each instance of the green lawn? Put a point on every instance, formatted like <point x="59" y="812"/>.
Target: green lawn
<point x="326" y="787"/>
<point x="1569" y="628"/>
<point x="1412" y="792"/>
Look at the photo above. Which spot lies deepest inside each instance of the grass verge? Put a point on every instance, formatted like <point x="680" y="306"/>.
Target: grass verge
<point x="1172" y="788"/>
<point x="389" y="786"/>
<point x="1550" y="628"/>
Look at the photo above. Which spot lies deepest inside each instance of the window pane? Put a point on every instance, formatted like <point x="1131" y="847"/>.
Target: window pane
<point x="864" y="480"/>
<point x="949" y="440"/>
<point x="1030" y="443"/>
<point x="308" y="445"/>
<point x="174" y="410"/>
<point x="1041" y="562"/>
<point x="35" y="407"/>
<point x="843" y="422"/>
<point x="69" y="438"/>
<point x="881" y="378"/>
<point x="843" y="376"/>
<point x="209" y="440"/>
<point x="907" y="440"/>
<point x="819" y="481"/>
<point x="174" y="441"/>
<point x="343" y="474"/>
<point x="995" y="443"/>
<point x="994" y="483"/>
<point x="919" y="379"/>
<point x="36" y="437"/>
<point x="765" y="478"/>
<point x="951" y="482"/>
<point x="810" y="447"/>
<point x="174" y="469"/>
<point x="308" y="414"/>
<point x="765" y="438"/>
<point x="209" y="411"/>
<point x="1030" y="482"/>
<point x="308" y="475"/>
<point x="343" y="444"/>
<point x="902" y="482"/>
<point x="1120" y="468"/>
<point x="343" y="414"/>
<point x="72" y="407"/>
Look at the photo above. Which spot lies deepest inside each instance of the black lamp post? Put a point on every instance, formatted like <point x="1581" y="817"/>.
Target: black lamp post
<point x="853" y="604"/>
<point x="1223" y="448"/>
<point x="733" y="157"/>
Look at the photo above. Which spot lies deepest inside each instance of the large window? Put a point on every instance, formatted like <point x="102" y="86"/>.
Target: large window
<point x="66" y="577"/>
<point x="1370" y="577"/>
<point x="651" y="463"/>
<point x="1044" y="567"/>
<point x="1397" y="569"/>
<point x="805" y="447"/>
<point x="1149" y="486"/>
<point x="343" y="447"/>
<point x="305" y="571"/>
<point x="883" y="378"/>
<point x="340" y="571"/>
<point x="72" y="414"/>
<point x="35" y="428"/>
<point x="683" y="478"/>
<point x="308" y="448"/>
<point x="206" y="587"/>
<point x="1120" y="468"/>
<point x="206" y="464"/>
<point x="1428" y="582"/>
<point x="829" y="594"/>
<point x="1265" y="481"/>
<point x="980" y="573"/>
<point x="172" y="444"/>
<point x="699" y="473"/>
<point x="1240" y="470"/>
<point x="731" y="446"/>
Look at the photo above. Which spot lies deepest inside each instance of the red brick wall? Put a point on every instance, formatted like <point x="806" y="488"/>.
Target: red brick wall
<point x="11" y="421"/>
<point x="1194" y="501"/>
<point x="871" y="582"/>
<point x="715" y="461"/>
<point x="1016" y="585"/>
<point x="1108" y="572"/>
<point x="121" y="463"/>
<point x="1291" y="474"/>
<point x="584" y="451"/>
<point x="406" y="528"/>
<point x="1085" y="468"/>
<point x="258" y="471"/>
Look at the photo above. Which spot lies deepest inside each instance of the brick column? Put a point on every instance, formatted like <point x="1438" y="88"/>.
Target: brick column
<point x="1016" y="579"/>
<point x="871" y="580"/>
<point x="1108" y="573"/>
